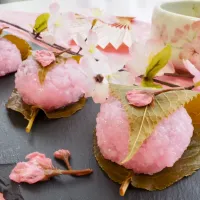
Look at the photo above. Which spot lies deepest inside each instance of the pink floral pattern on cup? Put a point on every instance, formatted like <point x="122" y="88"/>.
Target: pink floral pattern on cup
<point x="185" y="39"/>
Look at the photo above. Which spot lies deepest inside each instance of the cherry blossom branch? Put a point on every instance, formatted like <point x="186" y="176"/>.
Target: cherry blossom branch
<point x="55" y="46"/>
<point x="64" y="155"/>
<point x="57" y="172"/>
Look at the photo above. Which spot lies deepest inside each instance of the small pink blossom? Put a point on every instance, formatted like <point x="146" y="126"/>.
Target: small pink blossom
<point x="193" y="70"/>
<point x="60" y="154"/>
<point x="163" y="33"/>
<point x="196" y="26"/>
<point x="179" y="34"/>
<point x="139" y="98"/>
<point x="1" y="196"/>
<point x="191" y="52"/>
<point x="33" y="170"/>
<point x="45" y="57"/>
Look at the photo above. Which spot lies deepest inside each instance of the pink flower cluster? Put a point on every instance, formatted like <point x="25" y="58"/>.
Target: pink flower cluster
<point x="191" y="45"/>
<point x="33" y="170"/>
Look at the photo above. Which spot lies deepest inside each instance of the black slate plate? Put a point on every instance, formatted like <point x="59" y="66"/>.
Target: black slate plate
<point x="76" y="134"/>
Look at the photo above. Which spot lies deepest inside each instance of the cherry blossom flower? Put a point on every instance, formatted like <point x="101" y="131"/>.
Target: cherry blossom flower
<point x="163" y="33"/>
<point x="40" y="168"/>
<point x="89" y="47"/>
<point x="33" y="170"/>
<point x="96" y="13"/>
<point x="96" y="73"/>
<point x="191" y="52"/>
<point x="139" y="98"/>
<point x="58" y="25"/>
<point x="141" y="55"/>
<point x="44" y="57"/>
<point x="193" y="70"/>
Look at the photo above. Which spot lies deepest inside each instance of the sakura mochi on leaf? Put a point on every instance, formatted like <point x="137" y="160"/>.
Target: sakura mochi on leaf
<point x="12" y="51"/>
<point x="50" y="82"/>
<point x="145" y="135"/>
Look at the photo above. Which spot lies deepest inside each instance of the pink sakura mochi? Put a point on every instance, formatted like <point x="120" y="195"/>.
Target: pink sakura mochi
<point x="64" y="84"/>
<point x="10" y="57"/>
<point x="162" y="149"/>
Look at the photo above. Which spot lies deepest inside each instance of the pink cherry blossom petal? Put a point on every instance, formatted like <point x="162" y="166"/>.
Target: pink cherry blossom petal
<point x="193" y="70"/>
<point x="1" y="196"/>
<point x="139" y="98"/>
<point x="27" y="172"/>
<point x="44" y="57"/>
<point x="33" y="170"/>
<point x="92" y="39"/>
<point x="80" y="41"/>
<point x="61" y="153"/>
<point x="196" y="26"/>
<point x="101" y="93"/>
<point x="48" y="38"/>
<point x="54" y="7"/>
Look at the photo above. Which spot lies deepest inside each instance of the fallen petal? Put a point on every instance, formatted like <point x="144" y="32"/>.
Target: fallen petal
<point x="139" y="98"/>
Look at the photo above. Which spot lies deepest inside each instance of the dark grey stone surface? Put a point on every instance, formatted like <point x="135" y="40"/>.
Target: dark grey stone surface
<point x="76" y="134"/>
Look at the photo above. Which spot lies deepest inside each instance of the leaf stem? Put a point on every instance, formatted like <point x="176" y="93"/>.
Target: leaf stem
<point x="124" y="186"/>
<point x="30" y="123"/>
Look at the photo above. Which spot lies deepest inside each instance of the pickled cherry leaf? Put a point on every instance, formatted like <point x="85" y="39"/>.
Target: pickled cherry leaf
<point x="16" y="103"/>
<point x="193" y="110"/>
<point x="144" y="120"/>
<point x="188" y="164"/>
<point x="22" y="45"/>
<point x="115" y="172"/>
<point x="29" y="112"/>
<point x="41" y="23"/>
<point x="42" y="71"/>
<point x="66" y="111"/>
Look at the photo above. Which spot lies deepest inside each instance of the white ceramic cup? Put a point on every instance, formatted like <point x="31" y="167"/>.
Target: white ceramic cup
<point x="178" y="23"/>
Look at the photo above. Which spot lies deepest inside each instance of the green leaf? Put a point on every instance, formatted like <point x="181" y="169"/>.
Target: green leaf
<point x="185" y="166"/>
<point x="22" y="45"/>
<point x="157" y="63"/>
<point x="29" y="112"/>
<point x="143" y="120"/>
<point x="41" y="23"/>
<point x="150" y="84"/>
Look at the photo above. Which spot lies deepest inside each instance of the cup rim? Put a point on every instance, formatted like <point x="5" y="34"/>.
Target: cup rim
<point x="160" y="7"/>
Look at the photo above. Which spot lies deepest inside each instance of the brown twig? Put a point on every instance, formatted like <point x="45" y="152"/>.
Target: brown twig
<point x="179" y="75"/>
<point x="38" y="38"/>
<point x="57" y="172"/>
